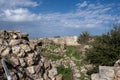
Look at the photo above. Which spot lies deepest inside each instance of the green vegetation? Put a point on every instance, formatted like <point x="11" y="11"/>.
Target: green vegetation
<point x="66" y="72"/>
<point x="49" y="50"/>
<point x="72" y="51"/>
<point x="82" y="76"/>
<point x="106" y="49"/>
<point x="54" y="57"/>
<point x="69" y="51"/>
<point x="76" y="55"/>
<point x="44" y="49"/>
<point x="83" y="38"/>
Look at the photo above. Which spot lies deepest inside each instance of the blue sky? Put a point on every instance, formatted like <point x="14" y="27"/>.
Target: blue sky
<point x="48" y="18"/>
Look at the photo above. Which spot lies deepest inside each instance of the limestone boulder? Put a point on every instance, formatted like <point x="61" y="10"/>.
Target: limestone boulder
<point x="15" y="60"/>
<point x="14" y="36"/>
<point x="31" y="69"/>
<point x="106" y="72"/>
<point x="30" y="59"/>
<point x="25" y="47"/>
<point x="52" y="73"/>
<point x="22" y="62"/>
<point x="21" y="54"/>
<point x="14" y="42"/>
<point x="16" y="49"/>
<point x="95" y="76"/>
<point x="6" y="52"/>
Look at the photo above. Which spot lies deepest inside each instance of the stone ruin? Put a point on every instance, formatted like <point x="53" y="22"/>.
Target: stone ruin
<point x="68" y="40"/>
<point x="24" y="62"/>
<point x="108" y="72"/>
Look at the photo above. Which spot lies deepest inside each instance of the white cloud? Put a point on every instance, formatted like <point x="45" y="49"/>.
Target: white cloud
<point x="17" y="3"/>
<point x="19" y="15"/>
<point x="81" y="5"/>
<point x="87" y="18"/>
<point x="17" y="10"/>
<point x="93" y="15"/>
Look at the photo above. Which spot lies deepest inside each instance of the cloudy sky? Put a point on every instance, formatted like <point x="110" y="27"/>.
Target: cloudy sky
<point x="47" y="18"/>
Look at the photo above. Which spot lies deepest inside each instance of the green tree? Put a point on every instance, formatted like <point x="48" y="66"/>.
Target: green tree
<point x="106" y="48"/>
<point x="83" y="38"/>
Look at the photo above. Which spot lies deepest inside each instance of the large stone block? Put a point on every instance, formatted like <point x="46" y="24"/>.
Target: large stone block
<point x="95" y="76"/>
<point x="6" y="51"/>
<point x="31" y="69"/>
<point x="16" y="49"/>
<point x="25" y="47"/>
<point x="14" y="42"/>
<point x="106" y="72"/>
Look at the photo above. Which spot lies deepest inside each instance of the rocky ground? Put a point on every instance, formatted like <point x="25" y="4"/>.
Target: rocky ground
<point x="41" y="59"/>
<point x="26" y="63"/>
<point x="67" y="56"/>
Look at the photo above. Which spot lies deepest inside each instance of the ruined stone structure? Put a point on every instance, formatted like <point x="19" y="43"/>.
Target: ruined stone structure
<point x="108" y="72"/>
<point x="68" y="40"/>
<point x="25" y="63"/>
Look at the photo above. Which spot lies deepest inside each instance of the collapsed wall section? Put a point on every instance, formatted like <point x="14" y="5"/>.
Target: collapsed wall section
<point x="25" y="62"/>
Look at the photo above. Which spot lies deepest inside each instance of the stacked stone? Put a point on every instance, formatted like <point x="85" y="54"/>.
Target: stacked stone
<point x="25" y="62"/>
<point x="108" y="72"/>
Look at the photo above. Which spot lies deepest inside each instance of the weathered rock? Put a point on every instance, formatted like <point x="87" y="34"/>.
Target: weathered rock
<point x="117" y="71"/>
<point x="33" y="46"/>
<point x="24" y="35"/>
<point x="45" y="77"/>
<point x="14" y="36"/>
<point x="59" y="77"/>
<point x="27" y="63"/>
<point x="2" y="48"/>
<point x="40" y="79"/>
<point x="83" y="70"/>
<point x="31" y="69"/>
<point x="22" y="53"/>
<point x="38" y="68"/>
<point x="16" y="49"/>
<point x="106" y="72"/>
<point x="14" y="76"/>
<point x="14" y="42"/>
<point x="26" y="48"/>
<point x="20" y="75"/>
<point x="30" y="60"/>
<point x="4" y="34"/>
<point x="16" y="61"/>
<point x="1" y="41"/>
<point x="77" y="75"/>
<point x="52" y="73"/>
<point x="117" y="63"/>
<point x="95" y="77"/>
<point x="6" y="52"/>
<point x="46" y="64"/>
<point x="22" y="62"/>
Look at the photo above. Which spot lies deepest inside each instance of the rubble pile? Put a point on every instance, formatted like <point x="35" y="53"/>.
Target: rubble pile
<point x="25" y="62"/>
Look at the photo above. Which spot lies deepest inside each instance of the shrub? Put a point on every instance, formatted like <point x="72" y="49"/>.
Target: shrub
<point x="69" y="51"/>
<point x="66" y="72"/>
<point x="73" y="51"/>
<point x="106" y="48"/>
<point x="83" y="38"/>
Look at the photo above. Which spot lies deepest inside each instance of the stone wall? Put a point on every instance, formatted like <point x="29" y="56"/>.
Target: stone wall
<point x="68" y="40"/>
<point x="25" y="63"/>
<point x="108" y="72"/>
